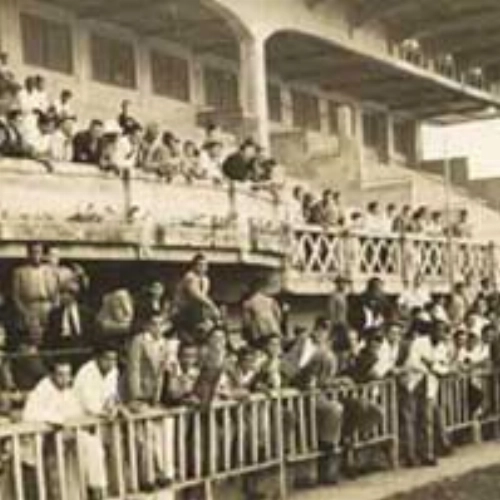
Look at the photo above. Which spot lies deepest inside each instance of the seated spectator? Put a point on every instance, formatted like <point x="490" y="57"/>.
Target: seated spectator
<point x="12" y="139"/>
<point x="390" y="217"/>
<point x="308" y="203"/>
<point x="61" y="145"/>
<point x="190" y="167"/>
<point x="6" y="73"/>
<point x="210" y="165"/>
<point x="326" y="212"/>
<point x="39" y="95"/>
<point x="435" y="227"/>
<point x="375" y="222"/>
<point x="356" y="222"/>
<point x="402" y="222"/>
<point x="462" y="227"/>
<point x="111" y="135"/>
<point x="62" y="106"/>
<point x="125" y="120"/>
<point x="149" y="145"/>
<point x="88" y="145"/>
<point x="295" y="206"/>
<point x="238" y="166"/>
<point x="27" y="98"/>
<point x="42" y="142"/>
<point x="54" y="402"/>
<point x="126" y="151"/>
<point x="166" y="158"/>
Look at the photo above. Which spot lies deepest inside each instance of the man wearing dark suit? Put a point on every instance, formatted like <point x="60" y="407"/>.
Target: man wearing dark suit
<point x="238" y="166"/>
<point x="70" y="324"/>
<point x="88" y="144"/>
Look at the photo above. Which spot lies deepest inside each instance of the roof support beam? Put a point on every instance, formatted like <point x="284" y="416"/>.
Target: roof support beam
<point x="485" y="18"/>
<point x="372" y="10"/>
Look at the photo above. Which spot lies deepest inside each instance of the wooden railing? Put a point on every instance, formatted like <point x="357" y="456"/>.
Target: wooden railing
<point x="198" y="448"/>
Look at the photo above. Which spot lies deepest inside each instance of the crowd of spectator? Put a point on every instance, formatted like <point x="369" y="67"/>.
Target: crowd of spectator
<point x="329" y="211"/>
<point x="152" y="350"/>
<point x="34" y="125"/>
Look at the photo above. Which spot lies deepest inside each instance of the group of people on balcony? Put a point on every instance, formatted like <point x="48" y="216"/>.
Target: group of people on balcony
<point x="35" y="126"/>
<point x="330" y="212"/>
<point x="153" y="351"/>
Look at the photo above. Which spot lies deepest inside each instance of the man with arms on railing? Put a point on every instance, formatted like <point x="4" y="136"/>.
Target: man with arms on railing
<point x="148" y="360"/>
<point x="54" y="402"/>
<point x="429" y="359"/>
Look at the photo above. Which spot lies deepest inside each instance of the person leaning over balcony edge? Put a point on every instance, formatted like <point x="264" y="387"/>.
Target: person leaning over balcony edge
<point x="238" y="166"/>
<point x="88" y="144"/>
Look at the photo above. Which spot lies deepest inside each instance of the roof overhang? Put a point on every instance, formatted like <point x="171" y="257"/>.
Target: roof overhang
<point x="395" y="84"/>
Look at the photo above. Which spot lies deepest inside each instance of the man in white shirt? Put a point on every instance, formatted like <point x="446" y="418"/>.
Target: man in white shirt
<point x="211" y="160"/>
<point x="429" y="359"/>
<point x="415" y="295"/>
<point x="61" y="147"/>
<point x="54" y="402"/>
<point x="126" y="154"/>
<point x="96" y="384"/>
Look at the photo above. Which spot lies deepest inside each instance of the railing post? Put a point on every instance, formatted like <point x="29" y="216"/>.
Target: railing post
<point x="280" y="438"/>
<point x="452" y="272"/>
<point x="493" y="264"/>
<point x="394" y="415"/>
<point x="127" y="195"/>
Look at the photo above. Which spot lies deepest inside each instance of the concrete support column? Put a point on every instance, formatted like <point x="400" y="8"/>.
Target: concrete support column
<point x="390" y="142"/>
<point x="418" y="154"/>
<point x="359" y="143"/>
<point x="253" y="85"/>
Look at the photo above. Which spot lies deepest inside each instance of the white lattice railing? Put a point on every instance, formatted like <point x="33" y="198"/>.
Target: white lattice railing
<point x="321" y="255"/>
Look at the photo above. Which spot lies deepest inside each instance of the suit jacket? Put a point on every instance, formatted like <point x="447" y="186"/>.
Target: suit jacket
<point x="147" y="363"/>
<point x="85" y="149"/>
<point x="81" y="333"/>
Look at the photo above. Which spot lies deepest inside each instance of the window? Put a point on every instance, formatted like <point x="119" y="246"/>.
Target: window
<point x="113" y="62"/>
<point x="274" y="103"/>
<point x="333" y="117"/>
<point x="306" y="113"/>
<point x="170" y="76"/>
<point x="47" y="44"/>
<point x="404" y="138"/>
<point x="221" y="89"/>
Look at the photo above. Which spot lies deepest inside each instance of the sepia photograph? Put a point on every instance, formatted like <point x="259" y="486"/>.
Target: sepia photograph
<point x="249" y="249"/>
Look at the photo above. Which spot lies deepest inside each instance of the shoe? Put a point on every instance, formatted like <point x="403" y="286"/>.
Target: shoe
<point x="163" y="483"/>
<point x="429" y="462"/>
<point x="147" y="487"/>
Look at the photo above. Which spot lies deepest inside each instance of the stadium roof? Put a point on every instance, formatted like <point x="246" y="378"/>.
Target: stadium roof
<point x="467" y="29"/>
